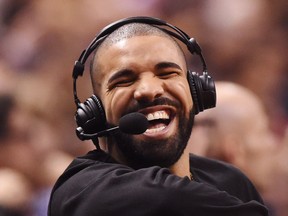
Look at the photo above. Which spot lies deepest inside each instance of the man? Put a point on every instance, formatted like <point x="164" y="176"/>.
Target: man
<point x="237" y="131"/>
<point x="140" y="68"/>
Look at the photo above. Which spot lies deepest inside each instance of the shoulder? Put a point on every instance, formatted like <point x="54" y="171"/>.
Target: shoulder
<point x="94" y="181"/>
<point x="204" y="166"/>
<point x="224" y="176"/>
<point x="98" y="172"/>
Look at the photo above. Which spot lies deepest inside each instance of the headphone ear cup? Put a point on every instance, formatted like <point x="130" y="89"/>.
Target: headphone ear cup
<point x="194" y="89"/>
<point x="90" y="115"/>
<point x="202" y="90"/>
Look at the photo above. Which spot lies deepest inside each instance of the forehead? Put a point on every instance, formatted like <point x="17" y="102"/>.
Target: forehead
<point x="146" y="46"/>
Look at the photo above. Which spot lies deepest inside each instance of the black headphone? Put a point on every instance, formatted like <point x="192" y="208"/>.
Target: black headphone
<point x="90" y="115"/>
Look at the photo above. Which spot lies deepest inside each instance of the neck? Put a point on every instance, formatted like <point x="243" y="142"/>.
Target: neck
<point x="182" y="167"/>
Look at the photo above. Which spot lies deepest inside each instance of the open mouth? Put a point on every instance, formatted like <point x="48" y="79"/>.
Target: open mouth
<point x="158" y="121"/>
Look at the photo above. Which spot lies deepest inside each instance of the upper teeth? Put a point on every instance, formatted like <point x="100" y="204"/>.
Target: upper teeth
<point x="157" y="115"/>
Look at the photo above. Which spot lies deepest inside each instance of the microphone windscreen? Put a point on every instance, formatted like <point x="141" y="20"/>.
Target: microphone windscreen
<point x="133" y="123"/>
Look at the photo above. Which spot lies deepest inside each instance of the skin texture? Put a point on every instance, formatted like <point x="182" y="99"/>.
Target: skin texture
<point x="131" y="75"/>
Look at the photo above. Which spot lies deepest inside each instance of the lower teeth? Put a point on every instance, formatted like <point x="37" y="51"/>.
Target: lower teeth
<point x="154" y="130"/>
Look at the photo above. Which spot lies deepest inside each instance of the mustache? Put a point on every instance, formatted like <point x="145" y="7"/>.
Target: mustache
<point x="158" y="101"/>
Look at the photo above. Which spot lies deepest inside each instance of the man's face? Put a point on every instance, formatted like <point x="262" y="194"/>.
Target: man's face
<point x="147" y="74"/>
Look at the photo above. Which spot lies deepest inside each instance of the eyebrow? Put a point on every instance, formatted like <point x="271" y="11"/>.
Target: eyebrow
<point x="120" y="73"/>
<point x="163" y="65"/>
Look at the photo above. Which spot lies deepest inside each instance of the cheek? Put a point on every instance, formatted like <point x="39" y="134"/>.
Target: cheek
<point x="181" y="91"/>
<point x="115" y="104"/>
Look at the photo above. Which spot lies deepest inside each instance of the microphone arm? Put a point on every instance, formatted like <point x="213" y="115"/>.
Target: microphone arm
<point x="83" y="136"/>
<point x="132" y="123"/>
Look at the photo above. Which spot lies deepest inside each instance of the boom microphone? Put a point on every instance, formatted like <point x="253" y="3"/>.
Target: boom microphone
<point x="132" y="123"/>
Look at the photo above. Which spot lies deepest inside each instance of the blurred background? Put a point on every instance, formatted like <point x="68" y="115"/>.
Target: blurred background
<point x="243" y="41"/>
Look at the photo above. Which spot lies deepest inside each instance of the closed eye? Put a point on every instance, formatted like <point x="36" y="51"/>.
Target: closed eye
<point x="123" y="82"/>
<point x="122" y="78"/>
<point x="167" y="74"/>
<point x="166" y="70"/>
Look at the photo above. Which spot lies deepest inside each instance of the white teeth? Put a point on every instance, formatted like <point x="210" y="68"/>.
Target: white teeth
<point x="157" y="115"/>
<point x="161" y="114"/>
<point x="155" y="130"/>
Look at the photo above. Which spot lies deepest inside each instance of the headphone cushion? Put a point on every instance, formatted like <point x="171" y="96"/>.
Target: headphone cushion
<point x="195" y="88"/>
<point x="99" y="111"/>
<point x="90" y="115"/>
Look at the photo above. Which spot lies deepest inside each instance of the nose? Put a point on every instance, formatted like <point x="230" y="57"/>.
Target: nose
<point x="149" y="87"/>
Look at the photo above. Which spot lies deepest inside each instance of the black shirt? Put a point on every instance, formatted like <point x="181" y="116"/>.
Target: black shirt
<point x="97" y="185"/>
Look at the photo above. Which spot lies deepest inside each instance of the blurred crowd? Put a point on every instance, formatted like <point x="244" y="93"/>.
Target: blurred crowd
<point x="243" y="41"/>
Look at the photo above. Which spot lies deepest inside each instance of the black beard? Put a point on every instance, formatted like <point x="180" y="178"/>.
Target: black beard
<point x="162" y="153"/>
